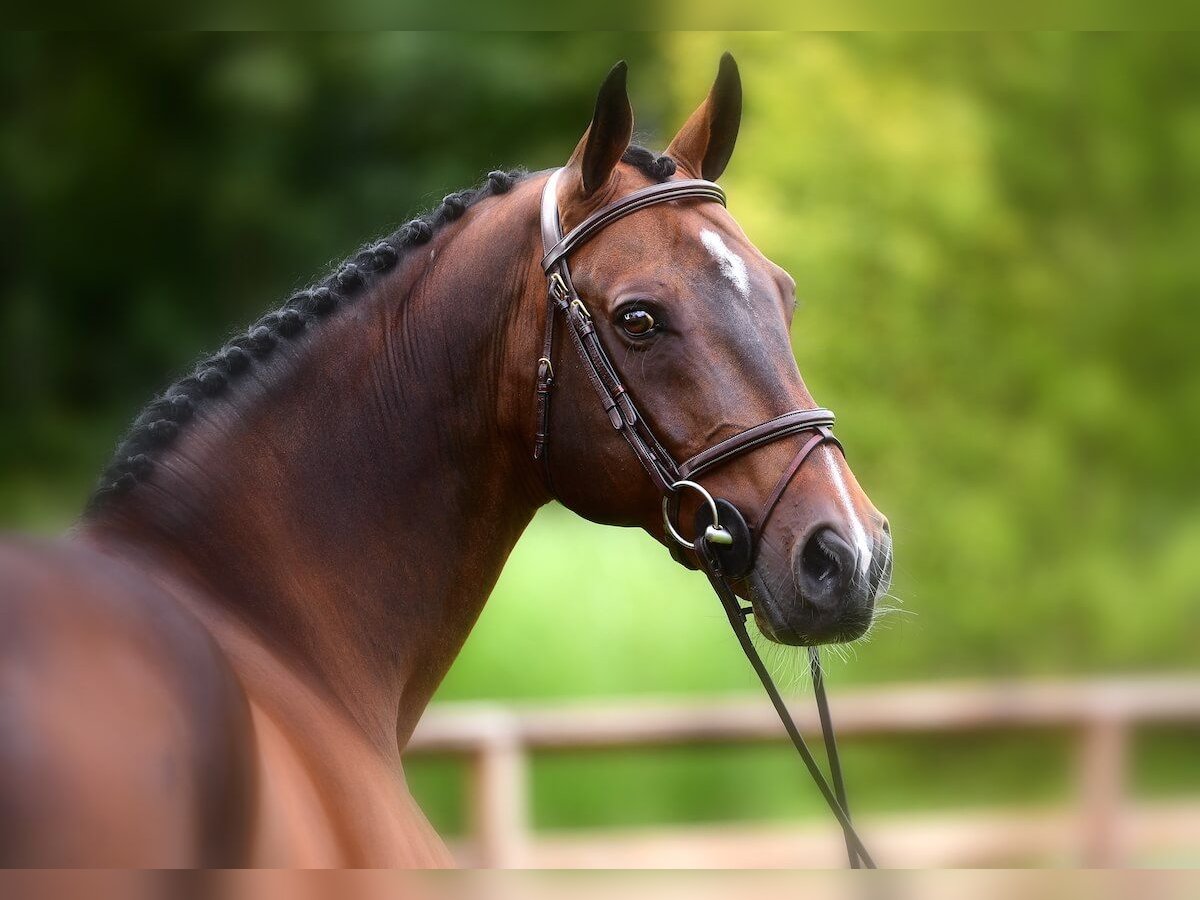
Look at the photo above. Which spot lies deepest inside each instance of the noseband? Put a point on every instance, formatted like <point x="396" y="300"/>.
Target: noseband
<point x="725" y="543"/>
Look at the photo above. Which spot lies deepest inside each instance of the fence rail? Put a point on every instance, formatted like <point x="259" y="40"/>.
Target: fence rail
<point x="498" y="741"/>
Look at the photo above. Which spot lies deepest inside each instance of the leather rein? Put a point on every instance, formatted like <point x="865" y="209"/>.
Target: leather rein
<point x="724" y="545"/>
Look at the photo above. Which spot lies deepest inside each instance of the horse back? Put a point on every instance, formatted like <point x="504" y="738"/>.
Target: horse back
<point x="125" y="738"/>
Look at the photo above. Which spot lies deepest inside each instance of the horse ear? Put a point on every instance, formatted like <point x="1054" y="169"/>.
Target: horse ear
<point x="705" y="142"/>
<point x="600" y="149"/>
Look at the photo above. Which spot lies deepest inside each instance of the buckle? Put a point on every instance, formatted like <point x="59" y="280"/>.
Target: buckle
<point x="558" y="288"/>
<point x="578" y="304"/>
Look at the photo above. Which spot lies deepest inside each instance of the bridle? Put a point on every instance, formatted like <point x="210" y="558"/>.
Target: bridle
<point x="725" y="541"/>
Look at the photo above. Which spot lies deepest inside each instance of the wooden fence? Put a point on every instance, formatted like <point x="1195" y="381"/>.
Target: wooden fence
<point x="1103" y="829"/>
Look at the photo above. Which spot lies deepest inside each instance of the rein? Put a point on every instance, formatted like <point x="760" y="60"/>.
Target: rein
<point x="724" y="544"/>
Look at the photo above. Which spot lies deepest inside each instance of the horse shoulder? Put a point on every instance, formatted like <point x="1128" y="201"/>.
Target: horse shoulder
<point x="326" y="795"/>
<point x="125" y="737"/>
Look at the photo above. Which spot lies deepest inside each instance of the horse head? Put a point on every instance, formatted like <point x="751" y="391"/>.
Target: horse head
<point x="693" y="325"/>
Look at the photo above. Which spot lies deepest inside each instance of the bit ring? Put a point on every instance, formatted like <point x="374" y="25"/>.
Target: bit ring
<point x="714" y="533"/>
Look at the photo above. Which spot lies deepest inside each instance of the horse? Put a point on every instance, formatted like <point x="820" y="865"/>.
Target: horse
<point x="222" y="661"/>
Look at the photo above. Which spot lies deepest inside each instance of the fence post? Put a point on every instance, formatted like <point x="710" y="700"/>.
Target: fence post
<point x="1103" y="757"/>
<point x="499" y="813"/>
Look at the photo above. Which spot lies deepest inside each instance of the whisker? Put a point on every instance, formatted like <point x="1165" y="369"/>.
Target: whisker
<point x="840" y="651"/>
<point x="782" y="661"/>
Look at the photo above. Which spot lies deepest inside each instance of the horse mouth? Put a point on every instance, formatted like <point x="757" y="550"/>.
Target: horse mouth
<point x="795" y="622"/>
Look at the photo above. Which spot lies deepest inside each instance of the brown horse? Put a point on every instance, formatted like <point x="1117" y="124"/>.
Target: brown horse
<point x="224" y="660"/>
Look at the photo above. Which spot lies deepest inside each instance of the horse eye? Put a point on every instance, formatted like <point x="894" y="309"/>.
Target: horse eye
<point x="637" y="322"/>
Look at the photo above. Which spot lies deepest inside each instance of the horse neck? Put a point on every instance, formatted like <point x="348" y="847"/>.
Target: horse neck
<point x="356" y="499"/>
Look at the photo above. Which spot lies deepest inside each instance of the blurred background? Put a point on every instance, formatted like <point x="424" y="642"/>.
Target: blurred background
<point x="995" y="243"/>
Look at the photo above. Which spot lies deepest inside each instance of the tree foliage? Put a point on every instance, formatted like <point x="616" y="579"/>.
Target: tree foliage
<point x="993" y="235"/>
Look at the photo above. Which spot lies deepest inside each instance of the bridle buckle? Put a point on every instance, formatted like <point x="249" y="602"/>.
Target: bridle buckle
<point x="558" y="288"/>
<point x="577" y="304"/>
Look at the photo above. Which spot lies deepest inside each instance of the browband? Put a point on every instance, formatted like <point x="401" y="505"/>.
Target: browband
<point x="602" y="218"/>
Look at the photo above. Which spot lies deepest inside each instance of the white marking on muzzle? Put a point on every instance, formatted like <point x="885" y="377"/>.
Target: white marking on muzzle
<point x="731" y="265"/>
<point x="857" y="530"/>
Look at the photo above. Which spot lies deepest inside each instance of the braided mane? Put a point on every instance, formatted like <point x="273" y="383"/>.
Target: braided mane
<point x="158" y="425"/>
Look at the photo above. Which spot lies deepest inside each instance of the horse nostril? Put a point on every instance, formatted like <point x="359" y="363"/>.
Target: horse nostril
<point x="825" y="565"/>
<point x="820" y="563"/>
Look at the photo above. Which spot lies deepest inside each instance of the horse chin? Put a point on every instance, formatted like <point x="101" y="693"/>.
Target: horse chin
<point x="791" y="621"/>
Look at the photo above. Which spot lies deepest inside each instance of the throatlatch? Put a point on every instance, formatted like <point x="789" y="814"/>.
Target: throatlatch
<point x="725" y="544"/>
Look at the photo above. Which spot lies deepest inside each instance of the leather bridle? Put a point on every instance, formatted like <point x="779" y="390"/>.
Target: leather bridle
<point x="725" y="543"/>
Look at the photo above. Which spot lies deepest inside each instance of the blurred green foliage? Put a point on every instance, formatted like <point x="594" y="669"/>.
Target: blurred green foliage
<point x="995" y="242"/>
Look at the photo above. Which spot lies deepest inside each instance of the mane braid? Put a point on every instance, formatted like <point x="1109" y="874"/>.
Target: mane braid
<point x="158" y="425"/>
